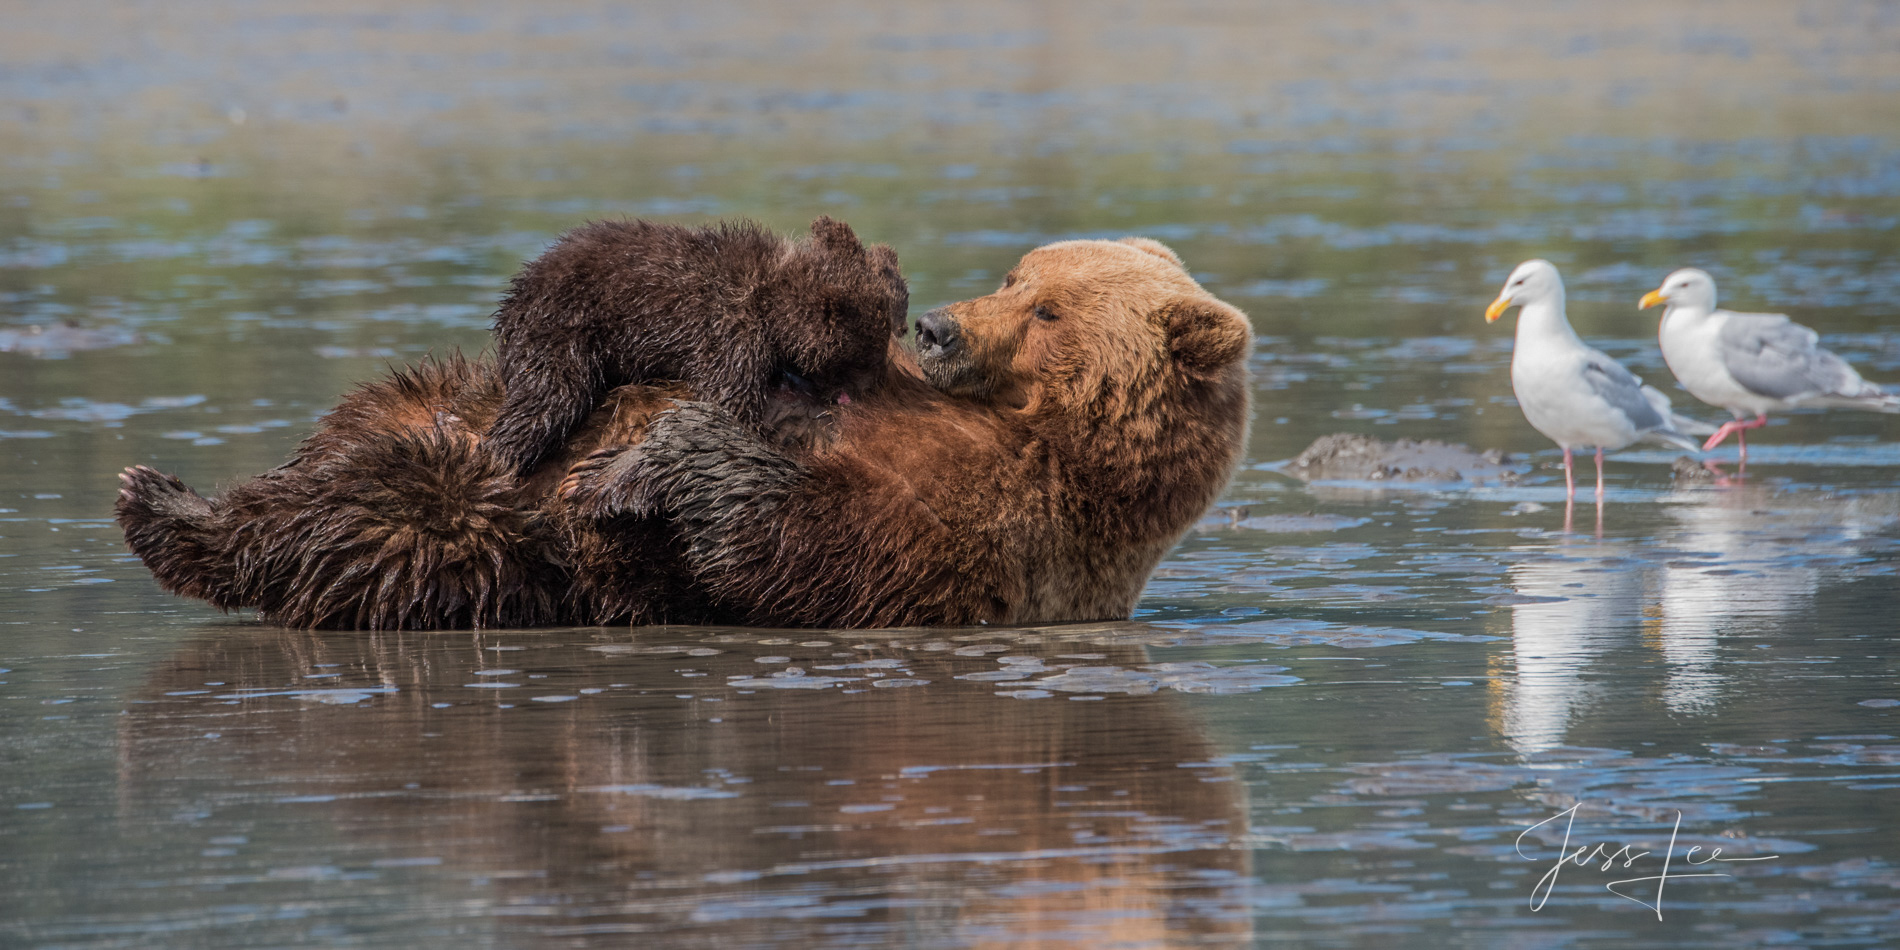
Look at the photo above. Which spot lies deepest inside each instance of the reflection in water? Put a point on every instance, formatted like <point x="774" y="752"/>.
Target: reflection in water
<point x="726" y="788"/>
<point x="1581" y="598"/>
<point x="1739" y="559"/>
<point x="234" y="223"/>
<point x="1745" y="558"/>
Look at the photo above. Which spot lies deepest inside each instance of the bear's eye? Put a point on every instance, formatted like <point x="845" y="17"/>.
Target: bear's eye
<point x="1044" y="313"/>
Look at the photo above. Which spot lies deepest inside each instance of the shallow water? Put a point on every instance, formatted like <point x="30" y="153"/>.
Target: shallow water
<point x="1342" y="710"/>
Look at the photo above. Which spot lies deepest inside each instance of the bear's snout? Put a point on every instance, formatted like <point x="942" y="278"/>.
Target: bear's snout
<point x="937" y="335"/>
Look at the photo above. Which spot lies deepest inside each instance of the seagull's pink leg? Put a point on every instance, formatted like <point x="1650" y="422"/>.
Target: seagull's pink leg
<point x="1727" y="429"/>
<point x="1741" y="433"/>
<point x="1599" y="481"/>
<point x="1570" y="479"/>
<point x="1735" y="427"/>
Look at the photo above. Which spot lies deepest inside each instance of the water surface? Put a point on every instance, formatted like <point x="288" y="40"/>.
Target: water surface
<point x="1343" y="712"/>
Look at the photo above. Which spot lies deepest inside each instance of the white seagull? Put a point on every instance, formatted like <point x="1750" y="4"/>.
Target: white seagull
<point x="1751" y="362"/>
<point x="1573" y="394"/>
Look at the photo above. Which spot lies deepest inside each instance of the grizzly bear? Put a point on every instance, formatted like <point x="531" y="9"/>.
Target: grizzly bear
<point x="391" y="516"/>
<point x="401" y="512"/>
<point x="1067" y="430"/>
<point x="388" y="516"/>
<point x="1031" y="463"/>
<point x="731" y="309"/>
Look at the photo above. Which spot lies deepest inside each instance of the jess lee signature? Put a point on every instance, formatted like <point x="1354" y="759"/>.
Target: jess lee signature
<point x="1622" y="859"/>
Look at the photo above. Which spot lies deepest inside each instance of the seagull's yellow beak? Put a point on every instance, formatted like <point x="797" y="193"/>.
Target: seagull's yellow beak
<point x="1651" y="299"/>
<point x="1497" y="308"/>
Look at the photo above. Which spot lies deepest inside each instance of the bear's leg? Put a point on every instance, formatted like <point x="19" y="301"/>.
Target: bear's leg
<point x="173" y="530"/>
<point x="607" y="483"/>
<point x="696" y="457"/>
<point x="412" y="531"/>
<point x="537" y="412"/>
<point x="782" y="541"/>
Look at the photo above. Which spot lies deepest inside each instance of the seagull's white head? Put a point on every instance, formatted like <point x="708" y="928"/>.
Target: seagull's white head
<point x="1688" y="287"/>
<point x="1532" y="281"/>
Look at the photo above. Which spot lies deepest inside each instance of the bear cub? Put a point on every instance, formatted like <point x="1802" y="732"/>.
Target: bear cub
<point x="762" y="326"/>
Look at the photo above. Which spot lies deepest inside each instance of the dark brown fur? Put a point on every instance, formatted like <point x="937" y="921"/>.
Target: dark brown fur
<point x="387" y="517"/>
<point x="410" y="507"/>
<point x="731" y="309"/>
<point x="390" y="516"/>
<point x="1086" y="414"/>
<point x="1082" y="417"/>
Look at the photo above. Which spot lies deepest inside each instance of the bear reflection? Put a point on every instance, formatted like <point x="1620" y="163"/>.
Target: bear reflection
<point x="640" y="793"/>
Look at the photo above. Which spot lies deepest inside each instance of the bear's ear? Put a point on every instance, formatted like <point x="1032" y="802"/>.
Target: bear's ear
<point x="1156" y="248"/>
<point x="835" y="236"/>
<point x="1205" y="335"/>
<point x="884" y="260"/>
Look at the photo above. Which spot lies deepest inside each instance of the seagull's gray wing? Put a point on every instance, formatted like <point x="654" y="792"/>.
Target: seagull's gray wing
<point x="1622" y="390"/>
<point x="1774" y="356"/>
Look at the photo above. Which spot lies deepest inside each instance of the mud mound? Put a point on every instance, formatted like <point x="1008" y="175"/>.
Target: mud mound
<point x="1351" y="457"/>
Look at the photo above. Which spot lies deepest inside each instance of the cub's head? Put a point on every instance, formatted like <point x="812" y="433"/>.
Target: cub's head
<point x="1097" y="328"/>
<point x="832" y="306"/>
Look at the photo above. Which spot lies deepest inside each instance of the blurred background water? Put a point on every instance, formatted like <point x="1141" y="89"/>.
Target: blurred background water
<point x="1338" y="707"/>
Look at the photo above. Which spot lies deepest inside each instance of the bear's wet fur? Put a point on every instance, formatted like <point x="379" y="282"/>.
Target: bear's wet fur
<point x="731" y="309"/>
<point x="391" y="516"/>
<point x="388" y="516"/>
<point x="1068" y="429"/>
<point x="410" y="507"/>
<point x="1032" y="464"/>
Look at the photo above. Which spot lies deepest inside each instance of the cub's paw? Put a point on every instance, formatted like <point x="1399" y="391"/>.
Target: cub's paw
<point x="713" y="470"/>
<point x="689" y="457"/>
<point x="692" y="429"/>
<point x="609" y="482"/>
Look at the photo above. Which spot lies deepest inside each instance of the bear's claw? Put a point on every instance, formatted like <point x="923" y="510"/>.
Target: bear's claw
<point x="607" y="483"/>
<point x="148" y="491"/>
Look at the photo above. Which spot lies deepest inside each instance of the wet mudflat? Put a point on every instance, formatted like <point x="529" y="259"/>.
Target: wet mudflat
<point x="1348" y="713"/>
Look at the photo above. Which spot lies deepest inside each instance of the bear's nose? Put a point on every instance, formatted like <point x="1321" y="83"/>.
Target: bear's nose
<point x="936" y="332"/>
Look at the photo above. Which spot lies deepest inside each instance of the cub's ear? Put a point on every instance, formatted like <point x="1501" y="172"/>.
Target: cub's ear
<point x="1156" y="248"/>
<point x="884" y="259"/>
<point x="1205" y="335"/>
<point x="835" y="236"/>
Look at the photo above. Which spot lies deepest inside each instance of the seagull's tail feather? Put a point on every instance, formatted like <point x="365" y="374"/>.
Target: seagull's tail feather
<point x="1657" y="400"/>
<point x="1674" y="424"/>
<point x="1871" y="398"/>
<point x="1689" y="426"/>
<point x="1677" y="439"/>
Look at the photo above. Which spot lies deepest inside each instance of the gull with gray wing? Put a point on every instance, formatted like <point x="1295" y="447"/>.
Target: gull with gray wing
<point x="1574" y="394"/>
<point x="1751" y="362"/>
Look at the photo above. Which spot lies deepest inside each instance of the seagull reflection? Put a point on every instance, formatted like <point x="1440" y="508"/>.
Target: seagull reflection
<point x="698" y="787"/>
<point x="1576" y="602"/>
<point x="1747" y="558"/>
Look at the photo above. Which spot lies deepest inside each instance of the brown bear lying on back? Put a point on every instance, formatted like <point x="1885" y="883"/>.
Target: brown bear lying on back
<point x="1074" y="424"/>
<point x="731" y="309"/>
